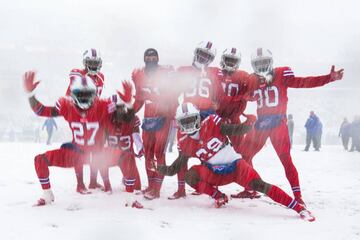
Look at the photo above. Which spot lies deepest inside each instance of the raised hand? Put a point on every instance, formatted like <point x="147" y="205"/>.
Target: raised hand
<point x="29" y="81"/>
<point x="336" y="75"/>
<point x="127" y="94"/>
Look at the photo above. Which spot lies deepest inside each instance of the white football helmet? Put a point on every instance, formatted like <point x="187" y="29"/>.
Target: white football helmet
<point x="92" y="61"/>
<point x="230" y="59"/>
<point x="188" y="118"/>
<point x="83" y="90"/>
<point x="204" y="54"/>
<point x="262" y="62"/>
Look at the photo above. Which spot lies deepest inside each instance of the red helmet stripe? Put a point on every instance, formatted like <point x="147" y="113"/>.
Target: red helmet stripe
<point x="209" y="45"/>
<point x="233" y="50"/>
<point x="93" y="52"/>
<point x="184" y="108"/>
<point x="259" y="52"/>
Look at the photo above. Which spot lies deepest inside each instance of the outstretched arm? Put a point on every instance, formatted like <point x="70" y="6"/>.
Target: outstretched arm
<point x="37" y="107"/>
<point x="174" y="167"/>
<point x="312" y="82"/>
<point x="238" y="129"/>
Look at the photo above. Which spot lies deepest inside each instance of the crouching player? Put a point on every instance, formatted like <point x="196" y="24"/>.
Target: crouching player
<point x="208" y="141"/>
<point x="122" y="131"/>
<point x="86" y="115"/>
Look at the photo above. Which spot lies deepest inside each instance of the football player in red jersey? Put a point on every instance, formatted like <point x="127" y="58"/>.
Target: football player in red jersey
<point x="237" y="90"/>
<point x="92" y="62"/>
<point x="153" y="84"/>
<point x="121" y="131"/>
<point x="86" y="115"/>
<point x="207" y="140"/>
<point x="92" y="65"/>
<point x="271" y="95"/>
<point x="202" y="90"/>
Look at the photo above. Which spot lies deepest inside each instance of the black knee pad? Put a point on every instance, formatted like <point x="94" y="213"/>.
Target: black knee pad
<point x="192" y="177"/>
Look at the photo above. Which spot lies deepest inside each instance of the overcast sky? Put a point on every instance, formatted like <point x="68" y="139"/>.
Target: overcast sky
<point x="50" y="36"/>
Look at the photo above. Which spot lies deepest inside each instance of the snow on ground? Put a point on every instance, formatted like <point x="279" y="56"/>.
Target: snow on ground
<point x="330" y="181"/>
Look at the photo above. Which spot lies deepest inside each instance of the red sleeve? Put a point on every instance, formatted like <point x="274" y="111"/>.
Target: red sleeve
<point x="303" y="82"/>
<point x="45" y="111"/>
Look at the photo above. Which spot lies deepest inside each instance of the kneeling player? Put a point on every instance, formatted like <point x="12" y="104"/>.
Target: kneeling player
<point x="122" y="130"/>
<point x="208" y="141"/>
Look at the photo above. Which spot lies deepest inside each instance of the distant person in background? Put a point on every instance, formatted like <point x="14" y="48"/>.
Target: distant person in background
<point x="344" y="133"/>
<point x="355" y="134"/>
<point x="49" y="124"/>
<point x="290" y="123"/>
<point x="312" y="125"/>
<point x="318" y="136"/>
<point x="37" y="134"/>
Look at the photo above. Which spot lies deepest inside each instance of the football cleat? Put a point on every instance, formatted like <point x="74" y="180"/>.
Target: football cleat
<point x="178" y="194"/>
<point x="80" y="188"/>
<point x="148" y="189"/>
<point x="196" y="193"/>
<point x="151" y="195"/>
<point x="246" y="194"/>
<point x="307" y="215"/>
<point x="222" y="200"/>
<point x="137" y="204"/>
<point x="47" y="198"/>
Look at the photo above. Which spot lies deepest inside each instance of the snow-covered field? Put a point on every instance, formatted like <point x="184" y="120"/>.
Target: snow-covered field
<point x="330" y="181"/>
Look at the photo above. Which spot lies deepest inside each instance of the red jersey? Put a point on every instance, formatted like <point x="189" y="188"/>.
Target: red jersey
<point x="120" y="134"/>
<point x="202" y="87"/>
<point x="272" y="99"/>
<point x="208" y="144"/>
<point x="236" y="89"/>
<point x="87" y="126"/>
<point x="98" y="80"/>
<point x="153" y="90"/>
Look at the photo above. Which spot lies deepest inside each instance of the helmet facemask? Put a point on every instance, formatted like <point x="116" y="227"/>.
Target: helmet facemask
<point x="189" y="124"/>
<point x="203" y="57"/>
<point x="262" y="66"/>
<point x="83" y="98"/>
<point x="92" y="65"/>
<point x="229" y="63"/>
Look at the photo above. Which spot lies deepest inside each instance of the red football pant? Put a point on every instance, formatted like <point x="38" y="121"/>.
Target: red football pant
<point x="280" y="140"/>
<point x="110" y="157"/>
<point x="63" y="157"/>
<point x="154" y="151"/>
<point x="243" y="175"/>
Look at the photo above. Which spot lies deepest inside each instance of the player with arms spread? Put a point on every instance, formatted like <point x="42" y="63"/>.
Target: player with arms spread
<point x="86" y="115"/>
<point x="207" y="140"/>
<point x="271" y="95"/>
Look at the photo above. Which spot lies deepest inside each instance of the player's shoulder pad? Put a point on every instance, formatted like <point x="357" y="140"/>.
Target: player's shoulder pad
<point x="284" y="71"/>
<point x="76" y="71"/>
<point x="213" y="118"/>
<point x="136" y="73"/>
<point x="100" y="76"/>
